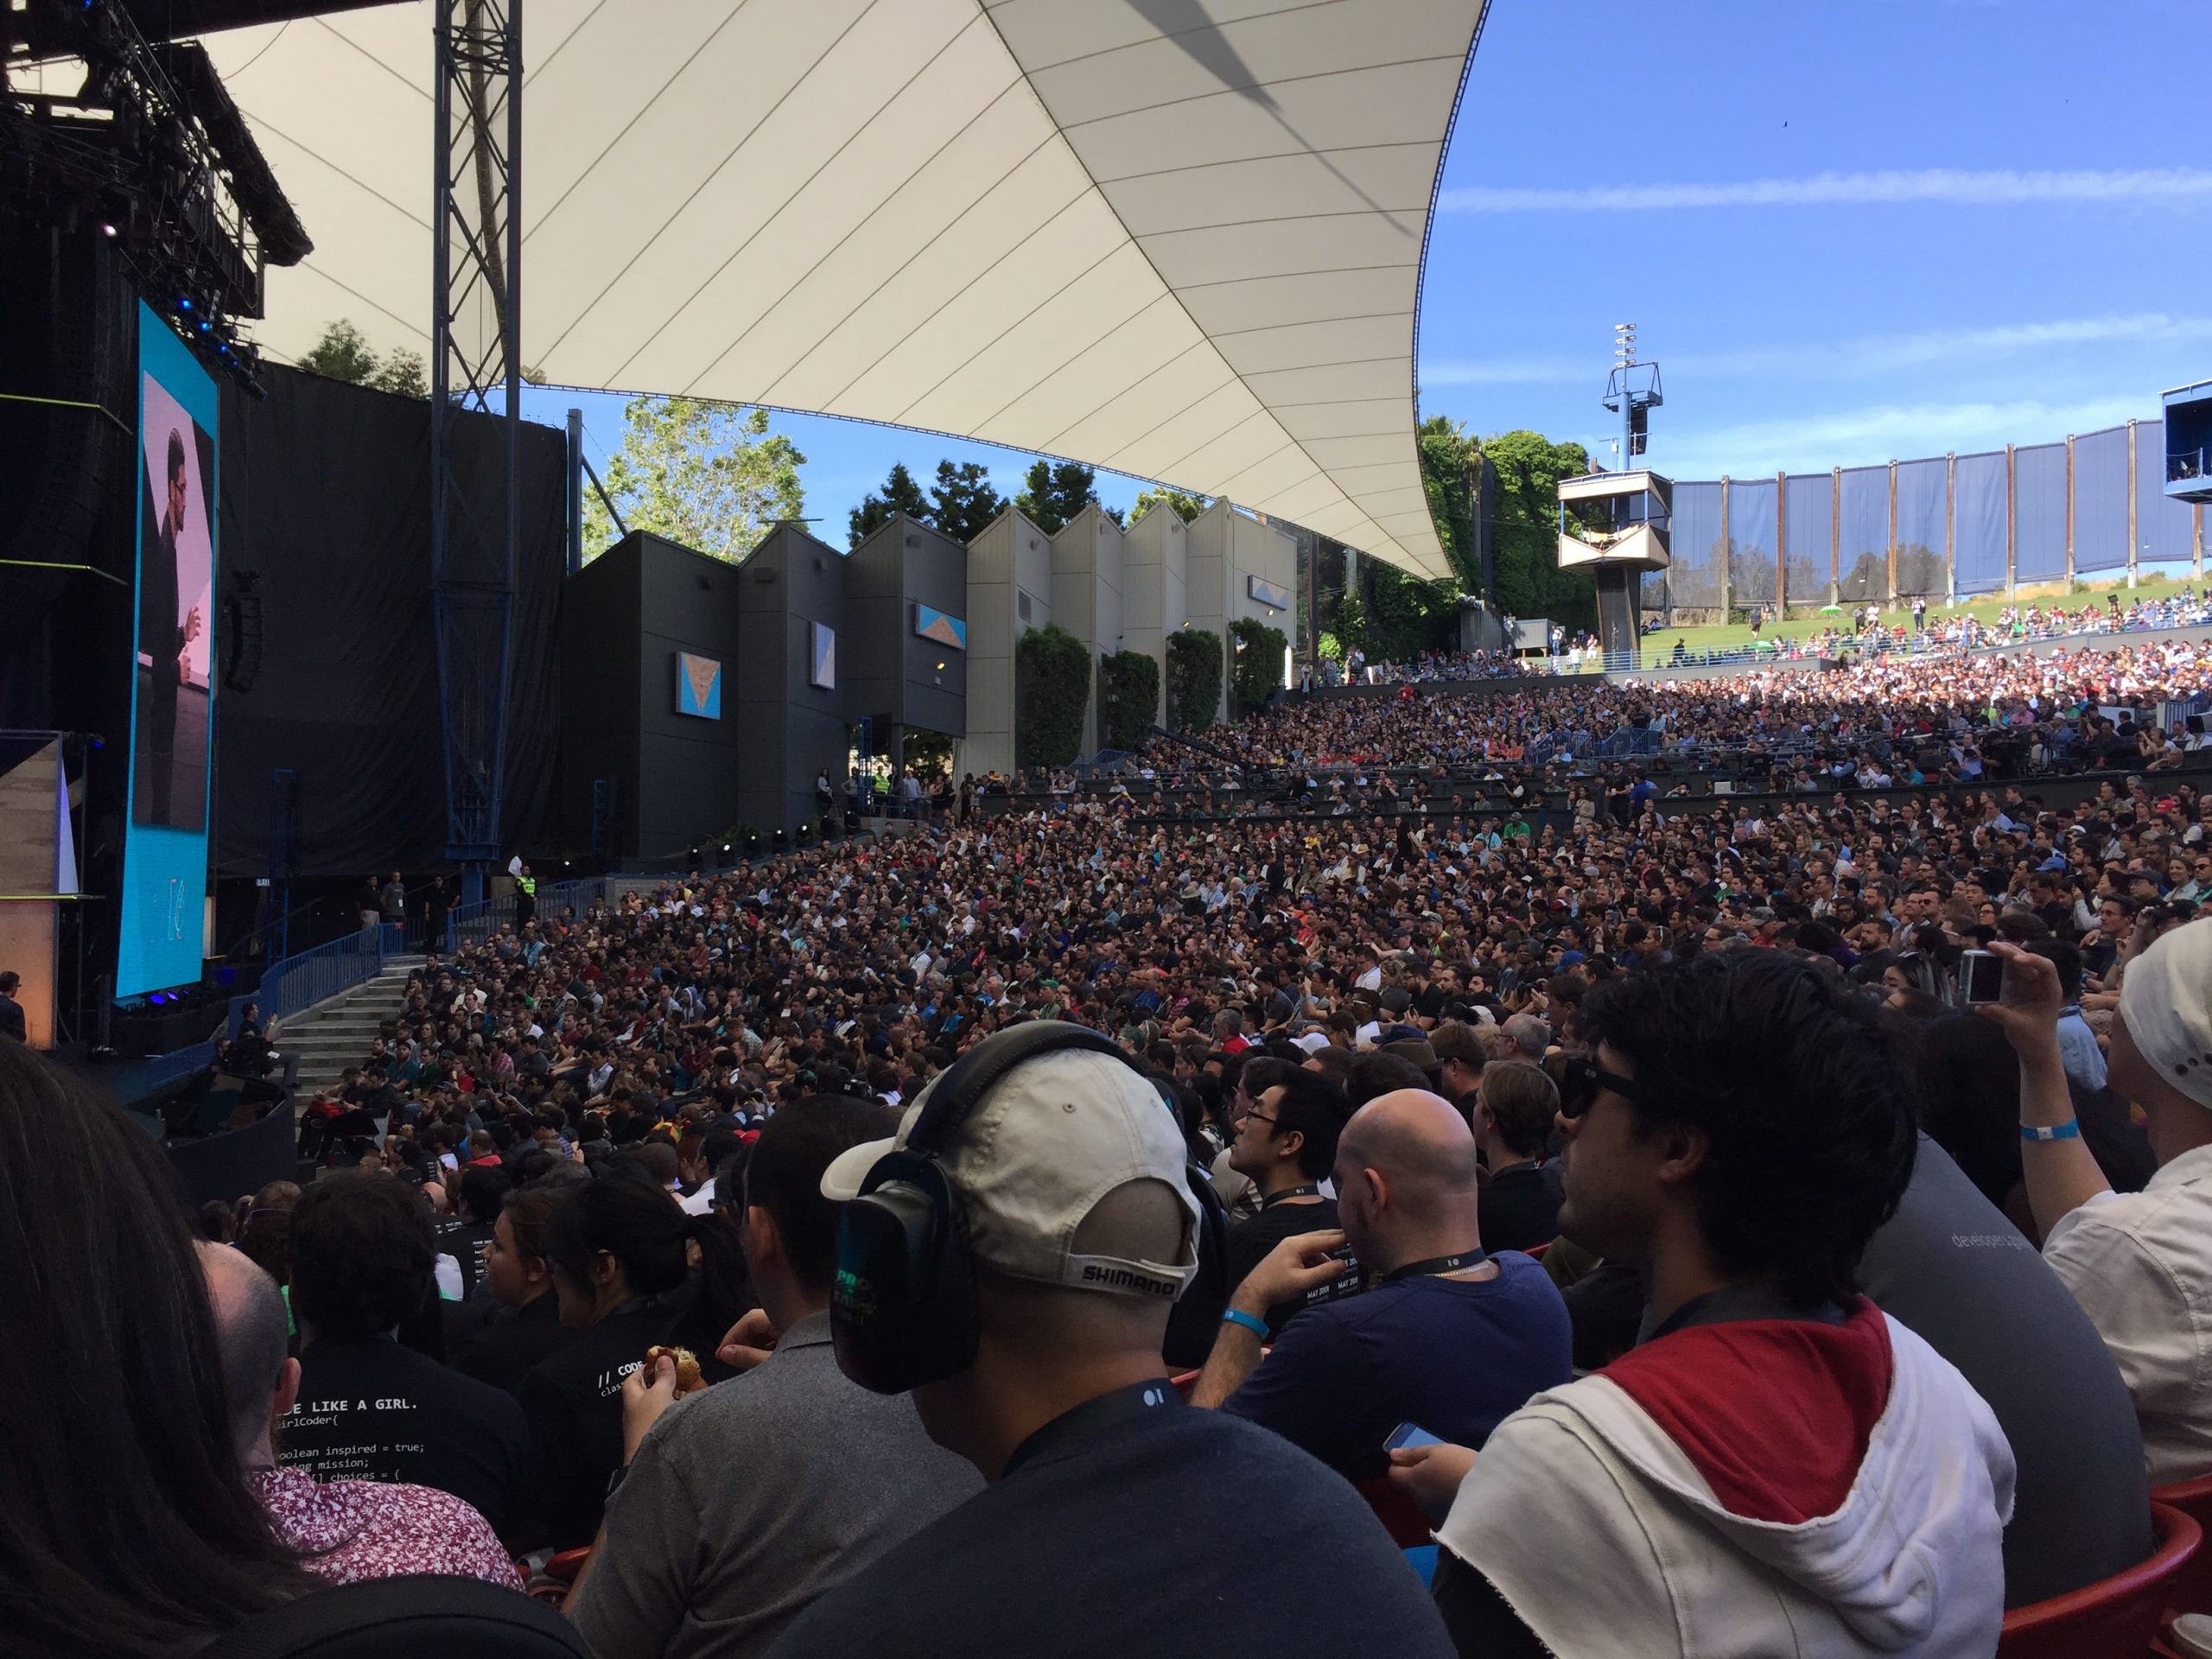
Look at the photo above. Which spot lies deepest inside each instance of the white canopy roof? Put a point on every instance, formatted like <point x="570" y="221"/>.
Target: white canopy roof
<point x="1177" y="238"/>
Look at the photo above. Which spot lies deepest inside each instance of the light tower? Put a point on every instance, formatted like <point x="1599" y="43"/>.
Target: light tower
<point x="1623" y="516"/>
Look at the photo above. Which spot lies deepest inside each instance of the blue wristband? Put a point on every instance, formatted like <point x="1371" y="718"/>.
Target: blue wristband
<point x="1238" y="1316"/>
<point x="2070" y="1130"/>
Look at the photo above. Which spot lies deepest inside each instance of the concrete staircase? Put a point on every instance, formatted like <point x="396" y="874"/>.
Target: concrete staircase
<point x="339" y="1031"/>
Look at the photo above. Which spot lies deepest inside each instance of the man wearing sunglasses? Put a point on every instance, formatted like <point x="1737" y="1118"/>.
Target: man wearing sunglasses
<point x="1778" y="1466"/>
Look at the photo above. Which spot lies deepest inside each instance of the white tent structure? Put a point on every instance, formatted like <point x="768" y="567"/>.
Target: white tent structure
<point x="1177" y="238"/>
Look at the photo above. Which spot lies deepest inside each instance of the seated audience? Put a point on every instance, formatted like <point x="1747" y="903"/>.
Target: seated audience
<point x="127" y="1526"/>
<point x="739" y="1506"/>
<point x="1520" y="1202"/>
<point x="618" y="1248"/>
<point x="1777" y="1467"/>
<point x="1063" y="1407"/>
<point x="344" y="1530"/>
<point x="1451" y="1339"/>
<point x="525" y="1326"/>
<point x="1286" y="1145"/>
<point x="367" y="1408"/>
<point x="2140" y="1263"/>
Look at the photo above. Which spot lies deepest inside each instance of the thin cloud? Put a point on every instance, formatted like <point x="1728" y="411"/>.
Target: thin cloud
<point x="1943" y="184"/>
<point x="1867" y="437"/>
<point x="1851" y="358"/>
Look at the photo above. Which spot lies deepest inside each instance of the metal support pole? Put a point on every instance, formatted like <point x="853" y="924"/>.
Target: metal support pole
<point x="2069" y="513"/>
<point x="2011" y="547"/>
<point x="2133" y="544"/>
<point x="1951" y="528"/>
<point x="1892" y="596"/>
<point x="476" y="370"/>
<point x="575" y="491"/>
<point x="1835" y="535"/>
<point x="1781" y="546"/>
<point x="1727" y="558"/>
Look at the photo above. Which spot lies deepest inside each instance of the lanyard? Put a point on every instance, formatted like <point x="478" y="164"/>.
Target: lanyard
<point x="1093" y="1418"/>
<point x="1288" y="1193"/>
<point x="1437" y="1264"/>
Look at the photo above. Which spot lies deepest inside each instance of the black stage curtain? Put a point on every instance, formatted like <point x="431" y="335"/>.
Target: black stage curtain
<point x="326" y="504"/>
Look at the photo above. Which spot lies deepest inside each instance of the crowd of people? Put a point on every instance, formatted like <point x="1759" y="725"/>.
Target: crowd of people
<point x="863" y="1245"/>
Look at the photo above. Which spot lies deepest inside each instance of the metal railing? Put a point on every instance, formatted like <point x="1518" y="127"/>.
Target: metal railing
<point x="468" y="924"/>
<point x="297" y="983"/>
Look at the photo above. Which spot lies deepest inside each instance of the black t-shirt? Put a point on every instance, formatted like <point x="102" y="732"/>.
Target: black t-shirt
<point x="1251" y="1239"/>
<point x="373" y="1410"/>
<point x="574" y="1404"/>
<point x="1519" y="1207"/>
<point x="1104" y="1539"/>
<point x="512" y="1343"/>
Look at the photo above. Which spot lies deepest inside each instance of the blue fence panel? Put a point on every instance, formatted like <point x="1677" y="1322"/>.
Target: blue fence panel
<point x="1807" y="530"/>
<point x="1693" y="576"/>
<point x="2101" y="500"/>
<point x="1924" y="526"/>
<point x="1978" y="551"/>
<point x="2166" y="530"/>
<point x="1863" y="547"/>
<point x="2038" y="512"/>
<point x="300" y="982"/>
<point x="1751" y="541"/>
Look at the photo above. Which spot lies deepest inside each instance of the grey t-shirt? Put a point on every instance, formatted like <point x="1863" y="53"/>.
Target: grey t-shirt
<point x="747" y="1502"/>
<point x="1951" y="1267"/>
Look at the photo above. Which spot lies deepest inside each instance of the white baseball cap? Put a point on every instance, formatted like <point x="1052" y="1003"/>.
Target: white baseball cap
<point x="2166" y="1000"/>
<point x="1034" y="1158"/>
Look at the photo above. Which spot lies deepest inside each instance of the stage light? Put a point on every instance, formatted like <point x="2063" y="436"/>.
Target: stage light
<point x="725" y="846"/>
<point x="107" y="230"/>
<point x="184" y="303"/>
<point x="204" y="325"/>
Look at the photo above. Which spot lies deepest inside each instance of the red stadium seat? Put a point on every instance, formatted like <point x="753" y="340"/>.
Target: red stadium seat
<point x="1536" y="1251"/>
<point x="2118" y="1617"/>
<point x="1185" y="1381"/>
<point x="2192" y="1586"/>
<point x="1400" y="1517"/>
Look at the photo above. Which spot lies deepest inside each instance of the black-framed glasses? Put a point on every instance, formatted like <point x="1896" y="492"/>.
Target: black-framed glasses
<point x="1582" y="1080"/>
<point x="1256" y="1115"/>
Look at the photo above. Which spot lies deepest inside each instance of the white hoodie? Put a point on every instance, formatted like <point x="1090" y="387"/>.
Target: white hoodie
<point x="1601" y="1527"/>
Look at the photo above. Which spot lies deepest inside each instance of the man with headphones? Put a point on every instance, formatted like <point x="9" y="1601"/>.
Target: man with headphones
<point x="1011" y="1258"/>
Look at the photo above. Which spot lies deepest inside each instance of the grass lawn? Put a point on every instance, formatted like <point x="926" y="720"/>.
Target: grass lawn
<point x="1717" y="637"/>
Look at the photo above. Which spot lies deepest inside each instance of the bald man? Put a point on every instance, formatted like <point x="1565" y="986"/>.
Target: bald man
<point x="348" y="1530"/>
<point x="1447" y="1337"/>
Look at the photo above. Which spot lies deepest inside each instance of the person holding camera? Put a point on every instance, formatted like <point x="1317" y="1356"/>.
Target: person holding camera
<point x="2140" y="1263"/>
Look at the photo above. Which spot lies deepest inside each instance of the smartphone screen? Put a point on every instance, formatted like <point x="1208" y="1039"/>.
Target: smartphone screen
<point x="1409" y="1434"/>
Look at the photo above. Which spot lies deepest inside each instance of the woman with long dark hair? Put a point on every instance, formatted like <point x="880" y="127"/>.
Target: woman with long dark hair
<point x="621" y="1253"/>
<point x="126" y="1526"/>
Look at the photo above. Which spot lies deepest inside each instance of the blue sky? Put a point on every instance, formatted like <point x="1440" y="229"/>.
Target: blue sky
<point x="1848" y="232"/>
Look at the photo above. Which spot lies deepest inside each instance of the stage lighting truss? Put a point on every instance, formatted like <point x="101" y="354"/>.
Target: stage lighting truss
<point x="149" y="147"/>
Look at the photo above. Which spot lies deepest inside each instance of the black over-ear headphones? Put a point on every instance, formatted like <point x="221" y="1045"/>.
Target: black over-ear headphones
<point x="902" y="1310"/>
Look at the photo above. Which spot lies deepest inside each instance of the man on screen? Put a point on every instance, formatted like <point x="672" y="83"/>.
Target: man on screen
<point x="163" y="639"/>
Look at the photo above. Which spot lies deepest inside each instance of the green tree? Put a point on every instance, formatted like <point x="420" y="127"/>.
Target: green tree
<point x="1525" y="528"/>
<point x="1193" y="678"/>
<point x="1128" y="698"/>
<point x="1407" y="614"/>
<point x="1054" y="492"/>
<point x="963" y="504"/>
<point x="901" y="494"/>
<point x="1187" y="506"/>
<point x="342" y="354"/>
<point x="1258" y="650"/>
<point x="709" y="475"/>
<point x="1451" y="472"/>
<point x="1052" y="691"/>
<point x="402" y="372"/>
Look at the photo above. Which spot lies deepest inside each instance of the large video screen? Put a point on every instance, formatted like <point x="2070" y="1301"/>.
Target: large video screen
<point x="172" y="710"/>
